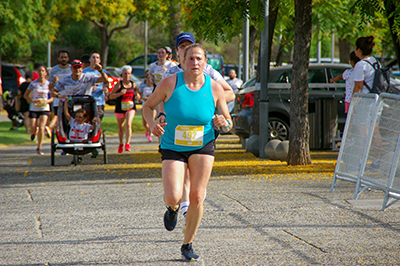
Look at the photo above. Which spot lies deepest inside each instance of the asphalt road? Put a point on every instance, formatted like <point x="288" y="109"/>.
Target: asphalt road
<point x="257" y="212"/>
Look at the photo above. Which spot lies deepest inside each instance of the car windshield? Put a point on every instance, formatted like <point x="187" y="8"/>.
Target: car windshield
<point x="215" y="63"/>
<point x="251" y="82"/>
<point x="113" y="73"/>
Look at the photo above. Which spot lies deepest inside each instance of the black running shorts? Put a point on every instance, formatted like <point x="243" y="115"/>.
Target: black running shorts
<point x="208" y="149"/>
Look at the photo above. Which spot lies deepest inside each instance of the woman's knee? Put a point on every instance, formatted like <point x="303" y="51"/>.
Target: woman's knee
<point x="171" y="199"/>
<point x="196" y="198"/>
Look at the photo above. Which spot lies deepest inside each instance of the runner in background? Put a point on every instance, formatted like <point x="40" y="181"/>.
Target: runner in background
<point x="99" y="91"/>
<point x="39" y="106"/>
<point x="124" y="93"/>
<point x="145" y="90"/>
<point x="58" y="72"/>
<point x="158" y="68"/>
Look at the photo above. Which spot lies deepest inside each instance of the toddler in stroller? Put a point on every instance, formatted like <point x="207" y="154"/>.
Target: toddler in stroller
<point x="74" y="135"/>
<point x="16" y="118"/>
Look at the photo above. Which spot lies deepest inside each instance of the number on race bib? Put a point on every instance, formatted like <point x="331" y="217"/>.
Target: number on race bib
<point x="189" y="135"/>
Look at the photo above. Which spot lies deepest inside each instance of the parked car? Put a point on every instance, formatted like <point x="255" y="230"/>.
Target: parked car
<point x="137" y="64"/>
<point x="114" y="76"/>
<point x="217" y="62"/>
<point x="279" y="98"/>
<point x="12" y="75"/>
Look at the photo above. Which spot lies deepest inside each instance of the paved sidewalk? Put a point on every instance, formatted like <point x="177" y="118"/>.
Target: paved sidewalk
<point x="257" y="212"/>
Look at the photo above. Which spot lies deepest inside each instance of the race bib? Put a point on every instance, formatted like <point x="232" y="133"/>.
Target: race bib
<point x="125" y="106"/>
<point x="189" y="135"/>
<point x="41" y="103"/>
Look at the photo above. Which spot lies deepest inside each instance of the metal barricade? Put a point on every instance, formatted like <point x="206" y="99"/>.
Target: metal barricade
<point x="370" y="149"/>
<point x="386" y="150"/>
<point x="356" y="138"/>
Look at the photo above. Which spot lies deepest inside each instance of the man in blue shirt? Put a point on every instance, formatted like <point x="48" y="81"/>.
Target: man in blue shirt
<point x="99" y="92"/>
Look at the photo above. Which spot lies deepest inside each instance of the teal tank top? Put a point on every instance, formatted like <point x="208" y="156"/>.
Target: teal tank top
<point x="189" y="117"/>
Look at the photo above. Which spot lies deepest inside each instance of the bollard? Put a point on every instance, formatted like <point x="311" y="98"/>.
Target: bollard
<point x="270" y="149"/>
<point x="252" y="145"/>
<point x="282" y="150"/>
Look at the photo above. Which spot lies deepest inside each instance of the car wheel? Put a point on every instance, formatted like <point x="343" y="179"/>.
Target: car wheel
<point x="278" y="129"/>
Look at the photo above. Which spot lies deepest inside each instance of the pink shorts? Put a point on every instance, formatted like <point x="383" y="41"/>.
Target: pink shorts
<point x="346" y="107"/>
<point x="122" y="115"/>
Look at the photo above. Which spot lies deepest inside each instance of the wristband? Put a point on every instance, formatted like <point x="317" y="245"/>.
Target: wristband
<point x="161" y="114"/>
<point x="229" y="124"/>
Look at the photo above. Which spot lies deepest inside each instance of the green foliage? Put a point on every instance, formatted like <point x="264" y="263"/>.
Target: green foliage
<point x="221" y="20"/>
<point x="371" y="10"/>
<point x="81" y="35"/>
<point x="21" y="21"/>
<point x="110" y="124"/>
<point x="12" y="137"/>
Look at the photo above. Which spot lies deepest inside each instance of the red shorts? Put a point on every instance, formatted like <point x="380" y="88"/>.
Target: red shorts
<point x="122" y="115"/>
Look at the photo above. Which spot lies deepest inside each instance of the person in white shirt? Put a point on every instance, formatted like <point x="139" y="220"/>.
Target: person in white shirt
<point x="77" y="83"/>
<point x="79" y="130"/>
<point x="57" y="72"/>
<point x="158" y="68"/>
<point x="233" y="81"/>
<point x="39" y="109"/>
<point x="145" y="91"/>
<point x="364" y="72"/>
<point x="348" y="76"/>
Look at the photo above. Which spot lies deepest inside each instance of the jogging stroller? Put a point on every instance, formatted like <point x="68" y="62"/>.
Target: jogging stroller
<point x="16" y="118"/>
<point x="90" y="145"/>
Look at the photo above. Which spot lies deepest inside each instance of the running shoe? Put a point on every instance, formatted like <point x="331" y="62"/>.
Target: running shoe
<point x="33" y="136"/>
<point x="150" y="139"/>
<point x="170" y="218"/>
<point x="95" y="153"/>
<point x="48" y="131"/>
<point x="127" y="147"/>
<point x="188" y="253"/>
<point x="39" y="151"/>
<point x="120" y="148"/>
<point x="63" y="153"/>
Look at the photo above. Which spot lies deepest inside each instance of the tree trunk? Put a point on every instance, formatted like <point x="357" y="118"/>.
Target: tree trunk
<point x="105" y="44"/>
<point x="174" y="23"/>
<point x="299" y="149"/>
<point x="344" y="51"/>
<point x="252" y="42"/>
<point x="390" y="8"/>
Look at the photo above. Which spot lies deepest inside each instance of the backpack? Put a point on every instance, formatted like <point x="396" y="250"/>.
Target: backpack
<point x="381" y="78"/>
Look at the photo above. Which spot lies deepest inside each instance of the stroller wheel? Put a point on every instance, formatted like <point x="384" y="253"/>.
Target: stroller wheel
<point x="76" y="160"/>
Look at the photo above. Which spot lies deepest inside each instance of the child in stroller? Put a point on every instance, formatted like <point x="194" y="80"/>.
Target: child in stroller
<point x="16" y="118"/>
<point x="74" y="135"/>
<point x="79" y="128"/>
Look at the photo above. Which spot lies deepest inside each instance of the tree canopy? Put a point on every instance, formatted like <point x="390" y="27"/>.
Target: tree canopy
<point x="21" y="21"/>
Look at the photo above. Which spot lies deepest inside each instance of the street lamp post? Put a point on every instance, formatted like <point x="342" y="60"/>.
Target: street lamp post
<point x="264" y="105"/>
